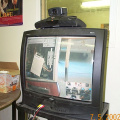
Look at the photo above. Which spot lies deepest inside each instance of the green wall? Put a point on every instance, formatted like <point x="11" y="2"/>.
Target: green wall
<point x="93" y="19"/>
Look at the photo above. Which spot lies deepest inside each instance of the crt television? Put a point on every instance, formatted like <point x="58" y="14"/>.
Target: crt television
<point x="63" y="68"/>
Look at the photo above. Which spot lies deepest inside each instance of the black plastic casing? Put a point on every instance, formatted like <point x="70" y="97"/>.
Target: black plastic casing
<point x="57" y="11"/>
<point x="56" y="104"/>
<point x="60" y="21"/>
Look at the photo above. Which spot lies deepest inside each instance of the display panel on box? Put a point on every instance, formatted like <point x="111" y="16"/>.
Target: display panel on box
<point x="60" y="66"/>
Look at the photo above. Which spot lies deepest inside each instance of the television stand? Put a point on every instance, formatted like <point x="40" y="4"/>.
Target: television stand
<point x="22" y="109"/>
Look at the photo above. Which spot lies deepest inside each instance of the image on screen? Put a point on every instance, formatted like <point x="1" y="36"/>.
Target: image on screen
<point x="60" y="66"/>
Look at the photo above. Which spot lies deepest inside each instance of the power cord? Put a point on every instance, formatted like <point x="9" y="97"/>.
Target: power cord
<point x="36" y="112"/>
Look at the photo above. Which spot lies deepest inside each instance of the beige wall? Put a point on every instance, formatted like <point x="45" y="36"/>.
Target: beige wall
<point x="11" y="37"/>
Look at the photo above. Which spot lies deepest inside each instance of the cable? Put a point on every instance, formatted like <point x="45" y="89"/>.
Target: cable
<point x="37" y="110"/>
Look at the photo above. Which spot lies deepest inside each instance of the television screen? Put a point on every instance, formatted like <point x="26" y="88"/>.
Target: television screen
<point x="60" y="66"/>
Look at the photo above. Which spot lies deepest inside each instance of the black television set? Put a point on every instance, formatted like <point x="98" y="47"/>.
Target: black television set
<point x="63" y="69"/>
